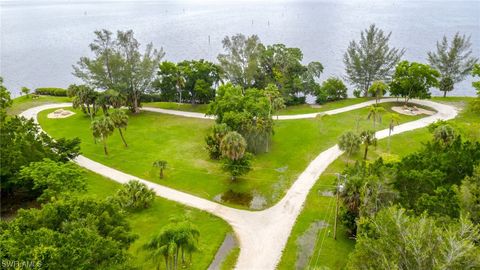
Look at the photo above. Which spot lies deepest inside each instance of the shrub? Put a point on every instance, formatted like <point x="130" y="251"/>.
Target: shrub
<point x="357" y="93"/>
<point x="295" y="100"/>
<point x="51" y="91"/>
<point x="135" y="195"/>
<point x="332" y="89"/>
<point x="152" y="98"/>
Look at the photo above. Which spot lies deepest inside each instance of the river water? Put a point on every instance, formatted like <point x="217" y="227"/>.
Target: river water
<point x="40" y="39"/>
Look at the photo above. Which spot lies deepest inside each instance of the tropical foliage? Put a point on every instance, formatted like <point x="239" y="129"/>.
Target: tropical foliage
<point x="135" y="195"/>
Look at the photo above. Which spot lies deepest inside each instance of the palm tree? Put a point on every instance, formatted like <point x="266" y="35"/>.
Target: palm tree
<point x="102" y="128"/>
<point x="233" y="146"/>
<point x="374" y="112"/>
<point x="350" y="143"/>
<point x="162" y="165"/>
<point x="368" y="138"/>
<point x="378" y="89"/>
<point x="394" y="121"/>
<point x="174" y="240"/>
<point x="445" y="134"/>
<point x="120" y="120"/>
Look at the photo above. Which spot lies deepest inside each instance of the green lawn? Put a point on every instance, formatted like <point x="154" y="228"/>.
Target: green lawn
<point x="201" y="108"/>
<point x="23" y="103"/>
<point x="149" y="222"/>
<point x="180" y="141"/>
<point x="230" y="260"/>
<point x="295" y="109"/>
<point x="334" y="254"/>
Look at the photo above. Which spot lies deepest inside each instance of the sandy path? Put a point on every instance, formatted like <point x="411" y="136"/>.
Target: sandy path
<point x="262" y="234"/>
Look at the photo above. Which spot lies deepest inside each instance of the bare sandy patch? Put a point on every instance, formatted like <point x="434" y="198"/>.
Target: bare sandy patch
<point x="60" y="113"/>
<point x="411" y="110"/>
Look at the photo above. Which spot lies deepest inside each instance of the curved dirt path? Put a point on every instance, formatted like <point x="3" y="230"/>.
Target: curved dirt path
<point x="262" y="235"/>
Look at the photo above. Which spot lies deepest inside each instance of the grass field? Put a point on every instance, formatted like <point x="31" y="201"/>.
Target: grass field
<point x="333" y="254"/>
<point x="180" y="141"/>
<point x="295" y="109"/>
<point x="22" y="103"/>
<point x="149" y="222"/>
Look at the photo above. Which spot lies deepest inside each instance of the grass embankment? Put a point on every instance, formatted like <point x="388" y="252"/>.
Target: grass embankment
<point x="148" y="222"/>
<point x="230" y="260"/>
<point x="334" y="254"/>
<point x="23" y="103"/>
<point x="180" y="141"/>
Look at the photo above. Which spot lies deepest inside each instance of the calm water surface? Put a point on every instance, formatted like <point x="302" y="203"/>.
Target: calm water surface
<point x="40" y="40"/>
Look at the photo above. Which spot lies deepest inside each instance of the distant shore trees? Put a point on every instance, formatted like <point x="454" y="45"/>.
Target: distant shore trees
<point x="118" y="64"/>
<point x="370" y="59"/>
<point x="454" y="61"/>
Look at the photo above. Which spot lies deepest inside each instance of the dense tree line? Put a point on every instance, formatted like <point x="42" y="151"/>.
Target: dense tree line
<point x="429" y="194"/>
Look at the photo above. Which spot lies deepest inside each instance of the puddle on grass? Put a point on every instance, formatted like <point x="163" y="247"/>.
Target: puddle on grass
<point x="251" y="200"/>
<point x="306" y="243"/>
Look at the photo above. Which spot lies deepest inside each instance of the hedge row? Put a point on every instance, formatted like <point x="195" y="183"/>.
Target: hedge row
<point x="51" y="91"/>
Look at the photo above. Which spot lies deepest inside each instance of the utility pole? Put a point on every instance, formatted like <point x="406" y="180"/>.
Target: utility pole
<point x="338" y="187"/>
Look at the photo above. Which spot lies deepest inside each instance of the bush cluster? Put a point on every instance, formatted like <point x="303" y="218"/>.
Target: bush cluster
<point x="51" y="91"/>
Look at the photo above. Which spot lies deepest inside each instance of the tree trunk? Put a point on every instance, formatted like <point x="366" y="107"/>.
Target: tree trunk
<point x="135" y="104"/>
<point x="366" y="151"/>
<point x="105" y="146"/>
<point x="444" y="93"/>
<point x="161" y="173"/>
<point x="123" y="139"/>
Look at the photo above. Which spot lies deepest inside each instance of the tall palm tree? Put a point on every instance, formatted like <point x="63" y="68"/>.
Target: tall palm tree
<point x="394" y="121"/>
<point x="378" y="89"/>
<point x="102" y="128"/>
<point x="173" y="241"/>
<point x="233" y="146"/>
<point x="120" y="120"/>
<point x="375" y="112"/>
<point x="368" y="138"/>
<point x="162" y="165"/>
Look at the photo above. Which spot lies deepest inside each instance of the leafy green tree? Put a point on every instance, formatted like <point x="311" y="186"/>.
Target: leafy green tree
<point x="476" y="102"/>
<point x="350" y="143"/>
<point x="454" y="61"/>
<point x="51" y="179"/>
<point x="375" y="113"/>
<point x="394" y="240"/>
<point x="394" y="121"/>
<point x="368" y="138"/>
<point x="25" y="91"/>
<point x="171" y="244"/>
<point x="84" y="97"/>
<point x="425" y="179"/>
<point x="74" y="233"/>
<point x="135" y="195"/>
<point x="371" y="59"/>
<point x="102" y="128"/>
<point x="120" y="121"/>
<point x="200" y="78"/>
<point x="332" y="89"/>
<point x="249" y="114"/>
<point x="21" y="143"/>
<point x="118" y="64"/>
<point x="213" y="140"/>
<point x="413" y="80"/>
<point x="469" y="196"/>
<point x="378" y="89"/>
<point x="282" y="66"/>
<point x="170" y="81"/>
<point x="241" y="61"/>
<point x="5" y="101"/>
<point x="236" y="159"/>
<point x="161" y="165"/>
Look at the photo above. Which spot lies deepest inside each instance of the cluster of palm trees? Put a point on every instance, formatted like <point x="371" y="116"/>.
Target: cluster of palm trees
<point x="104" y="126"/>
<point x="177" y="241"/>
<point x="350" y="141"/>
